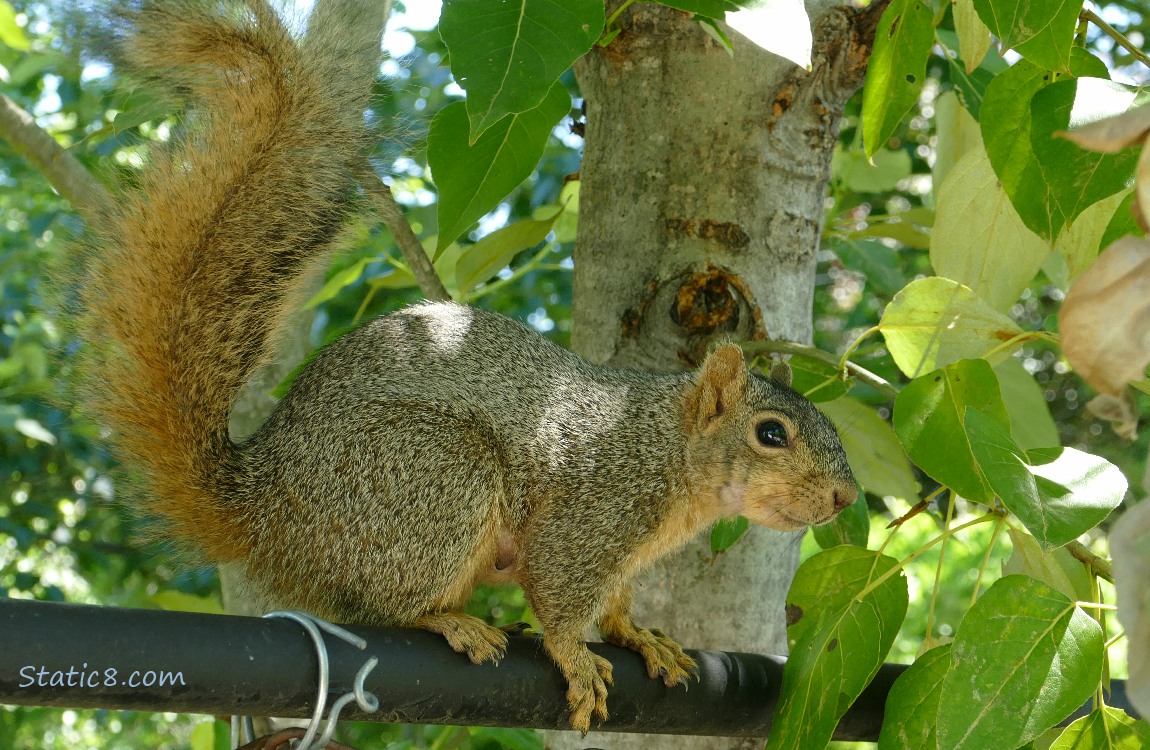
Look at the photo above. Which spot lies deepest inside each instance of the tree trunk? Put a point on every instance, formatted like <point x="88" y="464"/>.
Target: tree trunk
<point x="701" y="208"/>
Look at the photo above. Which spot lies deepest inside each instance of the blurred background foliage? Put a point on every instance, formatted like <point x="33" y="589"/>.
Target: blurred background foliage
<point x="62" y="536"/>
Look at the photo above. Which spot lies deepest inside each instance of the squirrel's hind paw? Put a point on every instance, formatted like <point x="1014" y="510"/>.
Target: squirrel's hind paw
<point x="467" y="635"/>
<point x="587" y="693"/>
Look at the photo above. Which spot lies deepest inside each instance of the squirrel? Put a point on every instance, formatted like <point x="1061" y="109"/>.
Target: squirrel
<point x="428" y="450"/>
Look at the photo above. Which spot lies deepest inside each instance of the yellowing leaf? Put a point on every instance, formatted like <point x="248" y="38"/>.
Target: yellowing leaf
<point x="973" y="35"/>
<point x="933" y="322"/>
<point x="1078" y="242"/>
<point x="1105" y="320"/>
<point x="979" y="239"/>
<point x="958" y="133"/>
<point x="872" y="448"/>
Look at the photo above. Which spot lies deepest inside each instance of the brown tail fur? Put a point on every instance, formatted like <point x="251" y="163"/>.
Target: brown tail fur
<point x="191" y="276"/>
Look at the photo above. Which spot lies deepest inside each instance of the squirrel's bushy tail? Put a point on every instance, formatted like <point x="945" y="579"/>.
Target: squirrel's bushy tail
<point x="191" y="276"/>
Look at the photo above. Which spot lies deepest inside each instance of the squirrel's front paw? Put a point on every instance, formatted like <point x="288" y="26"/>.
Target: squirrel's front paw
<point x="663" y="656"/>
<point x="467" y="635"/>
<point x="587" y="692"/>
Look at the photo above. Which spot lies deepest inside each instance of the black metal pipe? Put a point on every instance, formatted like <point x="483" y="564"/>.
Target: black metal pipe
<point x="59" y="655"/>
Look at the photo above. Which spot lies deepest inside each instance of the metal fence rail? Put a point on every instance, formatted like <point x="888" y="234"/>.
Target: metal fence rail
<point x="59" y="655"/>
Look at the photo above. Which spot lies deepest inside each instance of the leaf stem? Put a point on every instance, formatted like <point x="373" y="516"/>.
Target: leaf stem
<point x="1111" y="32"/>
<point x="1115" y="639"/>
<point x="618" y="12"/>
<point x="1099" y="566"/>
<point x="858" y="373"/>
<point x="938" y="572"/>
<point x="1097" y="605"/>
<point x="986" y="558"/>
<point x="919" y="552"/>
<point x="843" y="360"/>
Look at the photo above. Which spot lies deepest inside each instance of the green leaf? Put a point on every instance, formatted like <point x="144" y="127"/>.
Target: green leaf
<point x="979" y="239"/>
<point x="897" y="69"/>
<point x="509" y="55"/>
<point x="473" y="178"/>
<point x="928" y="418"/>
<point x="934" y="322"/>
<point x="817" y="380"/>
<point x="339" y="280"/>
<point x="1024" y="107"/>
<point x="872" y="449"/>
<point x="839" y="637"/>
<point x="1042" y="31"/>
<point x="487" y="257"/>
<point x="1024" y="658"/>
<point x="958" y="133"/>
<point x="1105" y="728"/>
<point x="912" y="704"/>
<point x="1030" y="422"/>
<point x="1057" y="568"/>
<point x="878" y="175"/>
<point x="1076" y="178"/>
<point x="727" y="531"/>
<point x="11" y="34"/>
<point x="852" y="526"/>
<point x="1057" y="493"/>
<point x="875" y="261"/>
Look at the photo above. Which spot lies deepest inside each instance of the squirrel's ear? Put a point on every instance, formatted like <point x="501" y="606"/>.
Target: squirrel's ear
<point x="781" y="373"/>
<point x="722" y="380"/>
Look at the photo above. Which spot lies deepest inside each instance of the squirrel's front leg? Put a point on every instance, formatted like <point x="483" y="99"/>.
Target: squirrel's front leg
<point x="663" y="656"/>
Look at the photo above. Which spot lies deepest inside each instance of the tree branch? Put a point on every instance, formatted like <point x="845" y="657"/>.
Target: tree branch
<point x="396" y="222"/>
<point x="65" y="173"/>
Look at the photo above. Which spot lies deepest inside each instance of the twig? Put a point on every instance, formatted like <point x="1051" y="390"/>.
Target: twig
<point x="61" y="168"/>
<point x="1098" y="566"/>
<point x="858" y="373"/>
<point x="396" y="223"/>
<point x="1113" y="33"/>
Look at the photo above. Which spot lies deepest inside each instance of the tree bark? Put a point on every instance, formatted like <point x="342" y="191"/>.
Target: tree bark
<point x="701" y="209"/>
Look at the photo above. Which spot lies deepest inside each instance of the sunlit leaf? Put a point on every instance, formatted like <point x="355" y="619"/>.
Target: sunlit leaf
<point x="1056" y="568"/>
<point x="973" y="34"/>
<point x="1030" y="422"/>
<point x="1042" y="31"/>
<point x="928" y="418"/>
<point x="896" y="70"/>
<point x="473" y="178"/>
<point x="979" y="239"/>
<point x="839" y="637"/>
<point x="934" y="321"/>
<point x="11" y="33"/>
<point x="1105" y="728"/>
<point x="874" y="453"/>
<point x="485" y="258"/>
<point x="958" y="133"/>
<point x="509" y="55"/>
<point x="1057" y="493"/>
<point x="1023" y="651"/>
<point x="912" y="704"/>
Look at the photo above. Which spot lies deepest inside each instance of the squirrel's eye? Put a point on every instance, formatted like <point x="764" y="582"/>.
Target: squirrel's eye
<point x="772" y="433"/>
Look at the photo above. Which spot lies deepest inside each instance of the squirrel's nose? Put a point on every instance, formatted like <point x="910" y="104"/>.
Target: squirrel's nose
<point x="844" y="496"/>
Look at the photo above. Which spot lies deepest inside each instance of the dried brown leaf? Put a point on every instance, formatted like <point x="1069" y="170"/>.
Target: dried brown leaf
<point x="1105" y="320"/>
<point x="1113" y="134"/>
